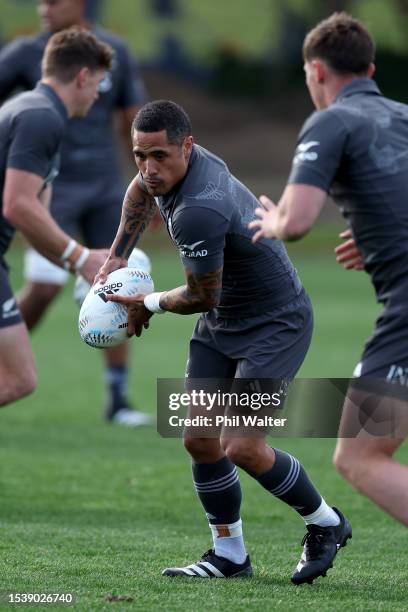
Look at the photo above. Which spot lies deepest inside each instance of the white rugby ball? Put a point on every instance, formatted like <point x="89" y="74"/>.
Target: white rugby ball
<point x="103" y="323"/>
<point x="137" y="259"/>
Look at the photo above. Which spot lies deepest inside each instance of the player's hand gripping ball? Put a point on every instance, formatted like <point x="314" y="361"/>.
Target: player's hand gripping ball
<point x="138" y="259"/>
<point x="103" y="323"/>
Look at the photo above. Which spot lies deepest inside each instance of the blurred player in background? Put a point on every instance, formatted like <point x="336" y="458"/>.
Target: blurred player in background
<point x="256" y="323"/>
<point x="355" y="147"/>
<point x="31" y="129"/>
<point x="89" y="189"/>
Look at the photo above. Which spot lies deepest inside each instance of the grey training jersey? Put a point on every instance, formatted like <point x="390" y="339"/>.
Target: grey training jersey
<point x="357" y="150"/>
<point x="207" y="216"/>
<point x="31" y="128"/>
<point x="88" y="150"/>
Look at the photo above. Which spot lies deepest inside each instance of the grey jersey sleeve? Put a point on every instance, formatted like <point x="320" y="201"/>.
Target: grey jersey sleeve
<point x="36" y="138"/>
<point x="319" y="150"/>
<point x="200" y="236"/>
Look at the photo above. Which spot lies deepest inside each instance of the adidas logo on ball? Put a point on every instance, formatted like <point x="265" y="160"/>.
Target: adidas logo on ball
<point x="102" y="292"/>
<point x="103" y="323"/>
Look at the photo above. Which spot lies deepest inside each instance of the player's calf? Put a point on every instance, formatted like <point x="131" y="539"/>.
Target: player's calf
<point x="16" y="385"/>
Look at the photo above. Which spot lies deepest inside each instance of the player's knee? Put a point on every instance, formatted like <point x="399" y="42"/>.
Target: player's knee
<point x="28" y="382"/>
<point x="343" y="462"/>
<point x="351" y="469"/>
<point x="352" y="463"/>
<point x="20" y="384"/>
<point x="241" y="451"/>
<point x="197" y="447"/>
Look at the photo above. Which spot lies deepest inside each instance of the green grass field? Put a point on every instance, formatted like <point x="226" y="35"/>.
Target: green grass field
<point x="98" y="511"/>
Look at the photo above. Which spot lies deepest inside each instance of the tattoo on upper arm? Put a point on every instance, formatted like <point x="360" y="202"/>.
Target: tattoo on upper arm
<point x="137" y="213"/>
<point x="201" y="293"/>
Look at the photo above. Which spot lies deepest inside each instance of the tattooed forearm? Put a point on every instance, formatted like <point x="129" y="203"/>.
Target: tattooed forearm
<point x="137" y="212"/>
<point x="202" y="293"/>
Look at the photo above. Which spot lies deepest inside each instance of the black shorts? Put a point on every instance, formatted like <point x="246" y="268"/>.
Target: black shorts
<point x="378" y="395"/>
<point x="9" y="310"/>
<point x="89" y="210"/>
<point x="385" y="354"/>
<point x="268" y="346"/>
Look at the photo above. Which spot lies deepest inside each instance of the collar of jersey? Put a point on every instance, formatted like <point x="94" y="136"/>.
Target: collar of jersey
<point x="58" y="103"/>
<point x="364" y="85"/>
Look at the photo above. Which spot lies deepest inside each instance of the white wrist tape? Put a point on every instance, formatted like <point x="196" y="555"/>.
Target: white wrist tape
<point x="152" y="302"/>
<point x="81" y="259"/>
<point x="69" y="249"/>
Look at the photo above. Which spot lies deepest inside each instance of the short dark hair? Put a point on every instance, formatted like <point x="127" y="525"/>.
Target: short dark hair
<point x="343" y="42"/>
<point x="163" y="115"/>
<point x="72" y="49"/>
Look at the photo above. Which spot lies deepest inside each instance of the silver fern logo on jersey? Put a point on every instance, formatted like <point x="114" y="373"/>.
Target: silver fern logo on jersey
<point x="303" y="152"/>
<point x="188" y="250"/>
<point x="9" y="308"/>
